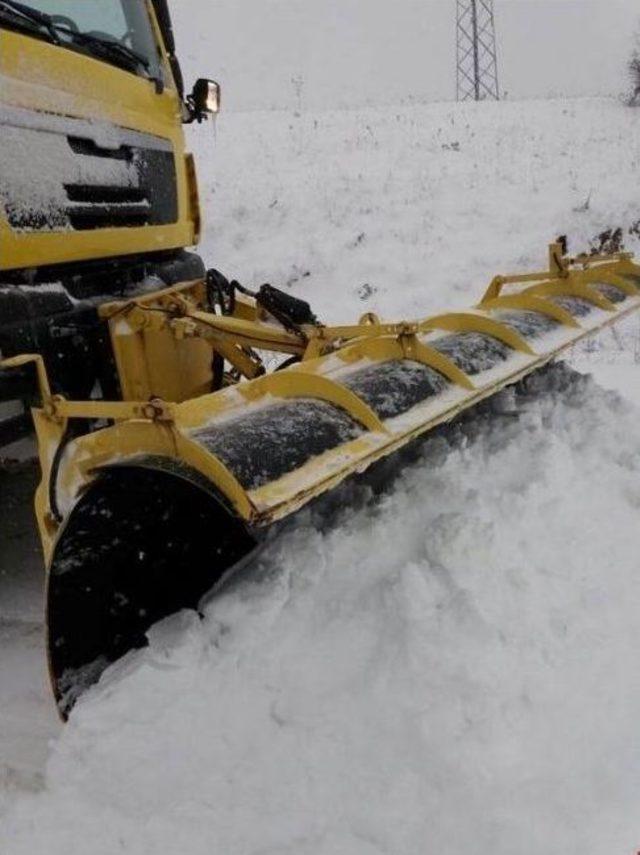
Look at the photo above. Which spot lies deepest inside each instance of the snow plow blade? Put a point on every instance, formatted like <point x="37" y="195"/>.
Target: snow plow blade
<point x="147" y="503"/>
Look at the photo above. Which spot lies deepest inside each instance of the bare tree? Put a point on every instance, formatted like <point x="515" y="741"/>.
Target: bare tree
<point x="633" y="98"/>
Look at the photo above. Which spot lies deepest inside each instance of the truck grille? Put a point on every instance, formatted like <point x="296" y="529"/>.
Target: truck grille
<point x="60" y="174"/>
<point x="99" y="206"/>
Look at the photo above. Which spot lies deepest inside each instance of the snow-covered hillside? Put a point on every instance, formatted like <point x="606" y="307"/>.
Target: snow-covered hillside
<point x="424" y="205"/>
<point x="451" y="668"/>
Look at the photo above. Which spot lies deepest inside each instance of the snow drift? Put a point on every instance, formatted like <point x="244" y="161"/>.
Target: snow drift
<point x="452" y="669"/>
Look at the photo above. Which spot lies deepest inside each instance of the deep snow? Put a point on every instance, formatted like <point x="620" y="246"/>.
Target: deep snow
<point x="453" y="667"/>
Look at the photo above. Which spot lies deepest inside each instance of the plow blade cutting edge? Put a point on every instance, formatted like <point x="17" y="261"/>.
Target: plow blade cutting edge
<point x="175" y="485"/>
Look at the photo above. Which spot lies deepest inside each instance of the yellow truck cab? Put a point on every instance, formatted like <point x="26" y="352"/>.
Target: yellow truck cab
<point x="98" y="196"/>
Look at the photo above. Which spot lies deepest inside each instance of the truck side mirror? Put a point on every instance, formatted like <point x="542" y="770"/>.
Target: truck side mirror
<point x="204" y="99"/>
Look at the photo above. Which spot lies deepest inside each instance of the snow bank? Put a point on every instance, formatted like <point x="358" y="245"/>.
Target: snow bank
<point x="452" y="669"/>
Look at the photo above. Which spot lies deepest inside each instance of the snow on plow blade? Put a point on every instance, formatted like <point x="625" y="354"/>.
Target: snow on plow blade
<point x="144" y="516"/>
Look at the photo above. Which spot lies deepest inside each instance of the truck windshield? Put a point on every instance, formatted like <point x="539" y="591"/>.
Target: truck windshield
<point x="115" y="31"/>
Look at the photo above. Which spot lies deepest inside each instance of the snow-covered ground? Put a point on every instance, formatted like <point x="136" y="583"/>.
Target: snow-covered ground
<point x="423" y="204"/>
<point x="453" y="667"/>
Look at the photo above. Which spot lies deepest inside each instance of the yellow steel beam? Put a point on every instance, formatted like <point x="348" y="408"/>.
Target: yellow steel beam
<point x="59" y="408"/>
<point x="585" y="261"/>
<point x="559" y="267"/>
<point x="428" y="355"/>
<point x="41" y="371"/>
<point x="299" y="384"/>
<point x="386" y="349"/>
<point x="609" y="277"/>
<point x="477" y="322"/>
<point x="362" y="331"/>
<point x="228" y="348"/>
<point x="572" y="288"/>
<point x="626" y="266"/>
<point x="155" y="410"/>
<point x="498" y="282"/>
<point x="246" y="308"/>
<point x="531" y="303"/>
<point x="250" y="333"/>
<point x="216" y="472"/>
<point x="193" y="287"/>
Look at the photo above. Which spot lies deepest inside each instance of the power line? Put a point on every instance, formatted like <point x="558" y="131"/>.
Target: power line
<point x="477" y="64"/>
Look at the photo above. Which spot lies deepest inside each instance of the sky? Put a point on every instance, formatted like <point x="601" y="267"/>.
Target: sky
<point x="315" y="54"/>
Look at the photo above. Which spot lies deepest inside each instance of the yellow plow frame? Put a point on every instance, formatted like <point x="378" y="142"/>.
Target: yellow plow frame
<point x="163" y="410"/>
<point x="266" y="444"/>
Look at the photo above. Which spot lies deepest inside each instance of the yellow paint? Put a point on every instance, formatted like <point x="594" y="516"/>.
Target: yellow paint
<point x="480" y="323"/>
<point x="532" y="303"/>
<point x="571" y="287"/>
<point x="40" y="77"/>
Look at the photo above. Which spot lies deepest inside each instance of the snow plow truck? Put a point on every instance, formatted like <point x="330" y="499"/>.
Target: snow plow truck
<point x="167" y="450"/>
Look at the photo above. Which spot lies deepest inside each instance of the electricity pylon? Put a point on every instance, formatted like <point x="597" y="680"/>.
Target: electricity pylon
<point x="477" y="65"/>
